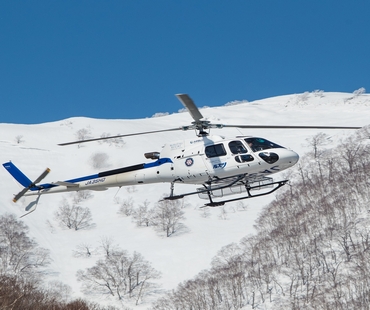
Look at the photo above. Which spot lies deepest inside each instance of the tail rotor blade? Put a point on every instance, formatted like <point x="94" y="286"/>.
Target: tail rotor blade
<point x="20" y="194"/>
<point x="42" y="176"/>
<point x="24" y="190"/>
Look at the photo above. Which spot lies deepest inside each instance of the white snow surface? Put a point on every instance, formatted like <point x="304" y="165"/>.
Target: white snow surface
<point x="181" y="256"/>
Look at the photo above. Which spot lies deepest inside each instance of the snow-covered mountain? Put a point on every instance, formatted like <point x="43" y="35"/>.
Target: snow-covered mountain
<point x="181" y="256"/>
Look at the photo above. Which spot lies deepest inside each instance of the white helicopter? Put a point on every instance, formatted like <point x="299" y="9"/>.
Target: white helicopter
<point x="240" y="166"/>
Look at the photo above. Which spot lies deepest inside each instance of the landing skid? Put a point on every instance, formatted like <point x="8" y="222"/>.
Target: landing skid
<point x="249" y="195"/>
<point x="209" y="191"/>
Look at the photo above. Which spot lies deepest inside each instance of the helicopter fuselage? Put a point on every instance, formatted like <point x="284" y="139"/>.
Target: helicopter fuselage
<point x="192" y="161"/>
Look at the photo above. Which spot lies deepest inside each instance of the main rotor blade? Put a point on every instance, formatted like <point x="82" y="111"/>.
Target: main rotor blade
<point x="119" y="136"/>
<point x="291" y="127"/>
<point x="190" y="106"/>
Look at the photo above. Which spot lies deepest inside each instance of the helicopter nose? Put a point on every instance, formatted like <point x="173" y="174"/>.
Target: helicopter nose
<point x="289" y="158"/>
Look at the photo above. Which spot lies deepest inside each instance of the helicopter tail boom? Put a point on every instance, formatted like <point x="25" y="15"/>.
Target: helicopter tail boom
<point x="129" y="175"/>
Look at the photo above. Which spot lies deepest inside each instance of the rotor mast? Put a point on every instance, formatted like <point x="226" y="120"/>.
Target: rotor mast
<point x="201" y="126"/>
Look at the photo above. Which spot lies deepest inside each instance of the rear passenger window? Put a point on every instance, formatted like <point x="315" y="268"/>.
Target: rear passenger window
<point x="215" y="150"/>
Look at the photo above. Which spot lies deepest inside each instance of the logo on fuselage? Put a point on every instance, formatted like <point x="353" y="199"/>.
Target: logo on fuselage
<point x="189" y="162"/>
<point x="219" y="166"/>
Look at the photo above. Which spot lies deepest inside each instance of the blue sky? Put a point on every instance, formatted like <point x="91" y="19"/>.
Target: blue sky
<point x="127" y="59"/>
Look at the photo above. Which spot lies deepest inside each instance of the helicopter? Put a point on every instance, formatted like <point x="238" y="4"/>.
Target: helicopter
<point x="239" y="166"/>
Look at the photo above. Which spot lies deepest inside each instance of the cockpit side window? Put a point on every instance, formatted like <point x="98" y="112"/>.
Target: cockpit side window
<point x="215" y="150"/>
<point x="237" y="147"/>
<point x="259" y="144"/>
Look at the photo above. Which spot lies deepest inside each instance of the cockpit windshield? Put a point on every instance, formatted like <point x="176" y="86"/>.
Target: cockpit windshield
<point x="260" y="144"/>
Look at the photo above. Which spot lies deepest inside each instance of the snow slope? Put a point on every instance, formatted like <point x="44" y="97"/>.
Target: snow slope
<point x="183" y="255"/>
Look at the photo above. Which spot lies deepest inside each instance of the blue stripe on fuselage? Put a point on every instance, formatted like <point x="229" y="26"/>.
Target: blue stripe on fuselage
<point x="50" y="185"/>
<point x="157" y="163"/>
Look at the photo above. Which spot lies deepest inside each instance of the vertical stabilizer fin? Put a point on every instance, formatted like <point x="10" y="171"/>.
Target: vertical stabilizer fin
<point x="17" y="174"/>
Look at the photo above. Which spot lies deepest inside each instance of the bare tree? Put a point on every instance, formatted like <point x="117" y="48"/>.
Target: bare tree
<point x="17" y="293"/>
<point x="359" y="91"/>
<point x="59" y="291"/>
<point x="74" y="217"/>
<point x="318" y="93"/>
<point x="127" y="207"/>
<point x="19" y="255"/>
<point x="143" y="215"/>
<point x="223" y="213"/>
<point x="82" y="218"/>
<point x="106" y="244"/>
<point x="83" y="250"/>
<point x="303" y="97"/>
<point x="317" y="142"/>
<point x="78" y="197"/>
<point x="119" y="275"/>
<point x="168" y="216"/>
<point x="22" y="263"/>
<point x="241" y="206"/>
<point x="226" y="255"/>
<point x="111" y="141"/>
<point x="351" y="150"/>
<point x="83" y="134"/>
<point x="19" y="139"/>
